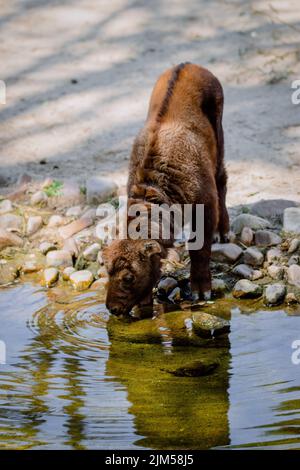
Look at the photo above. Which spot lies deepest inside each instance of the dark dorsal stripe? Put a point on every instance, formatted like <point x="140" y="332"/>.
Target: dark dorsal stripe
<point x="170" y="89"/>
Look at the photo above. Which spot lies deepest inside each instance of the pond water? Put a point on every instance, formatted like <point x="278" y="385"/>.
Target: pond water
<point x="76" y="378"/>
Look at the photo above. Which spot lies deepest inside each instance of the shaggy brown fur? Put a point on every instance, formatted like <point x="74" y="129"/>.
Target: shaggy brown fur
<point x="176" y="158"/>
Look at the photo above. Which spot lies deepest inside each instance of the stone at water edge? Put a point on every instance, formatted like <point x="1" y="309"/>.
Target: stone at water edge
<point x="56" y="221"/>
<point x="45" y="247"/>
<point x="276" y="272"/>
<point x="9" y="239"/>
<point x="34" y="223"/>
<point x="209" y="326"/>
<point x="244" y="289"/>
<point x="50" y="276"/>
<point x="5" y="206"/>
<point x="39" y="198"/>
<point x="253" y="256"/>
<point x="100" y="190"/>
<point x="293" y="274"/>
<point x="31" y="266"/>
<point x="291" y="220"/>
<point x="100" y="285"/>
<point x="225" y="252"/>
<point x="218" y="286"/>
<point x="294" y="245"/>
<point x="59" y="259"/>
<point x="11" y="222"/>
<point x="267" y="238"/>
<point x="247" y="236"/>
<point x="91" y="252"/>
<point x="166" y="285"/>
<point x="67" y="273"/>
<point x="291" y="298"/>
<point x="81" y="280"/>
<point x="244" y="271"/>
<point x="274" y="294"/>
<point x="251" y="221"/>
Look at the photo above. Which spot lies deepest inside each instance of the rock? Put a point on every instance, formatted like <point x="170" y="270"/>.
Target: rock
<point x="45" y="247"/>
<point x="100" y="258"/>
<point x="257" y="274"/>
<point x="9" y="239"/>
<point x="100" y="285"/>
<point x="59" y="259"/>
<point x="276" y="272"/>
<point x="56" y="221"/>
<point x="67" y="273"/>
<point x="273" y="255"/>
<point x="293" y="274"/>
<point x="91" y="252"/>
<point x="218" y="286"/>
<point x="165" y="286"/>
<point x="8" y="272"/>
<point x="291" y="220"/>
<point x="81" y="280"/>
<point x="74" y="211"/>
<point x="5" y="206"/>
<point x="253" y="256"/>
<point x="294" y="245"/>
<point x="250" y="221"/>
<point x="244" y="271"/>
<point x="294" y="259"/>
<point x="11" y="222"/>
<point x="34" y="223"/>
<point x="39" y="198"/>
<point x="246" y="289"/>
<point x="271" y="209"/>
<point x="50" y="276"/>
<point x="71" y="246"/>
<point x="209" y="326"/>
<point x="89" y="212"/>
<point x="23" y="179"/>
<point x="195" y="369"/>
<point x="74" y="227"/>
<point x="291" y="298"/>
<point x="267" y="238"/>
<point x="247" y="236"/>
<point x="100" y="190"/>
<point x="274" y="294"/>
<point x="31" y="266"/>
<point x="66" y="194"/>
<point x="226" y="252"/>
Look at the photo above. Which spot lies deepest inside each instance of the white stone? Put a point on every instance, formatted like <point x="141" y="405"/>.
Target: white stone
<point x="275" y="272"/>
<point x="45" y="247"/>
<point x="55" y="221"/>
<point x="11" y="222"/>
<point x="291" y="220"/>
<point x="81" y="280"/>
<point x="59" y="258"/>
<point x="274" y="294"/>
<point x="247" y="236"/>
<point x="5" y="206"/>
<point x="246" y="289"/>
<point x="294" y="275"/>
<point x="38" y="198"/>
<point x="34" y="223"/>
<point x="294" y="245"/>
<point x="50" y="276"/>
<point x="67" y="273"/>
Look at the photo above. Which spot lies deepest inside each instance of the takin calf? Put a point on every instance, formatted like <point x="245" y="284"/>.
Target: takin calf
<point x="177" y="158"/>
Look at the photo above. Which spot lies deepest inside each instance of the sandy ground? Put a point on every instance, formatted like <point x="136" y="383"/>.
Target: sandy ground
<point x="79" y="74"/>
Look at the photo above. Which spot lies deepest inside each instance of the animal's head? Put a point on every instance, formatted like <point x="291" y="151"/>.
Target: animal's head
<point x="133" y="267"/>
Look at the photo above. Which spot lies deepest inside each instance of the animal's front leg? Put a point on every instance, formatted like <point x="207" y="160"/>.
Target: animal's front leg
<point x="200" y="274"/>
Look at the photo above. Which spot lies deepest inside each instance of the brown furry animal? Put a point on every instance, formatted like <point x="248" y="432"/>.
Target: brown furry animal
<point x="176" y="158"/>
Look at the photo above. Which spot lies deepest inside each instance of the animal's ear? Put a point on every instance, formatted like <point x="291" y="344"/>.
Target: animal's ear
<point x="151" y="247"/>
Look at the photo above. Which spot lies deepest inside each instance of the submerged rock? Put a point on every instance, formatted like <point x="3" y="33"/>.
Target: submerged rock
<point x="274" y="294"/>
<point x="267" y="238"/>
<point x="244" y="289"/>
<point x="253" y="256"/>
<point x="195" y="369"/>
<point x="250" y="221"/>
<point x="81" y="280"/>
<point x="50" y="276"/>
<point x="209" y="326"/>
<point x="226" y="252"/>
<point x="291" y="220"/>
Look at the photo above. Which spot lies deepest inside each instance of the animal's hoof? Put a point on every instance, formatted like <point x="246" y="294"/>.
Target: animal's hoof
<point x="195" y="296"/>
<point x="225" y="238"/>
<point x="207" y="295"/>
<point x="216" y="237"/>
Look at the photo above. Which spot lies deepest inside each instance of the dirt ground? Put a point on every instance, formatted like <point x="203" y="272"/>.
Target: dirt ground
<point x="79" y="74"/>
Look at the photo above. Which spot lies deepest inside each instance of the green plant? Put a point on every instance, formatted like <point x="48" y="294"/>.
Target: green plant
<point x="54" y="189"/>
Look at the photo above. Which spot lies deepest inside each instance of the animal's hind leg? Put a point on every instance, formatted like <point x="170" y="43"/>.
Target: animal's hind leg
<point x="223" y="226"/>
